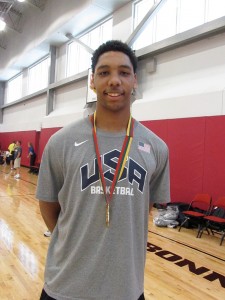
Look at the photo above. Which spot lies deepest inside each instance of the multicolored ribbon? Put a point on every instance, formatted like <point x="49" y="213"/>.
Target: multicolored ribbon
<point x="121" y="162"/>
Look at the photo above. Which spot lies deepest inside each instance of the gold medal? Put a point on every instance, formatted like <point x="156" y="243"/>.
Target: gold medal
<point x="107" y="215"/>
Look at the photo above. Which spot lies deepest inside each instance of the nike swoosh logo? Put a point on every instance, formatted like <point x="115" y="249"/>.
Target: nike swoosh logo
<point x="79" y="144"/>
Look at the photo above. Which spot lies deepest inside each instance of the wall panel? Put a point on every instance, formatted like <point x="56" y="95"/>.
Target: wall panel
<point x="186" y="145"/>
<point x="197" y="160"/>
<point x="214" y="158"/>
<point x="45" y="134"/>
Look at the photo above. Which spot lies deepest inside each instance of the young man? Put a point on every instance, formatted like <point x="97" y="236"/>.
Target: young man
<point x="32" y="157"/>
<point x="17" y="159"/>
<point x="11" y="151"/>
<point x="98" y="179"/>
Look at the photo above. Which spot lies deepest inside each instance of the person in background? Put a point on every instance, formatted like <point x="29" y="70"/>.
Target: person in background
<point x="32" y="156"/>
<point x="98" y="179"/>
<point x="17" y="159"/>
<point x="2" y="156"/>
<point x="11" y="151"/>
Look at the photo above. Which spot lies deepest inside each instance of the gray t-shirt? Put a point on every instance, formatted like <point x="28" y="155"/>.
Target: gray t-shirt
<point x="86" y="259"/>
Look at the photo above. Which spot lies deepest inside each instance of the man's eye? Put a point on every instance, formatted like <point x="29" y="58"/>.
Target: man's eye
<point x="123" y="73"/>
<point x="103" y="73"/>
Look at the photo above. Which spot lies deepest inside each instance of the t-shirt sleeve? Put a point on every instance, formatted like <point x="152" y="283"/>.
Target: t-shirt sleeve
<point x="50" y="178"/>
<point x="160" y="181"/>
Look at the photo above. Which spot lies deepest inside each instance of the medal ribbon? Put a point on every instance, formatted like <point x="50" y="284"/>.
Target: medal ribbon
<point x="122" y="158"/>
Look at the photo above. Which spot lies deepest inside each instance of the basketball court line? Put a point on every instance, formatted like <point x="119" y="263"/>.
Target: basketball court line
<point x="188" y="246"/>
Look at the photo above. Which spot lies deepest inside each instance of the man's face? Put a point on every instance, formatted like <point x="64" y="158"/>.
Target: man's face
<point x="114" y="81"/>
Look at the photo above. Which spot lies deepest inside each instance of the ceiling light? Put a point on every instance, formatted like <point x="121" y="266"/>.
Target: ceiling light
<point x="2" y="24"/>
<point x="20" y="0"/>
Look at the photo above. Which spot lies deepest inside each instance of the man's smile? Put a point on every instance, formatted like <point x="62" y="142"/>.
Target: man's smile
<point x="114" y="93"/>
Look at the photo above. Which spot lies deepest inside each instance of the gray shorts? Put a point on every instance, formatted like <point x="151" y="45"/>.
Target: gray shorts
<point x="17" y="163"/>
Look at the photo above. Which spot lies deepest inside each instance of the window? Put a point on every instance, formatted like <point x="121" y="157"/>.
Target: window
<point x="38" y="76"/>
<point x="78" y="58"/>
<point x="14" y="89"/>
<point x="173" y="17"/>
<point x="166" y="21"/>
<point x="191" y="14"/>
<point x="216" y="9"/>
<point x="140" y="10"/>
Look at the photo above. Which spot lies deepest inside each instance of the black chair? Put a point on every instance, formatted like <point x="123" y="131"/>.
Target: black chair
<point x="215" y="222"/>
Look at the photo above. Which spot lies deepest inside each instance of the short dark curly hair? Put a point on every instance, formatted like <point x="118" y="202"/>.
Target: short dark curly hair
<point x="114" y="45"/>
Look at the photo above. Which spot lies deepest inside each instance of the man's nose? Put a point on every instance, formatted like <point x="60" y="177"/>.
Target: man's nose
<point x="114" y="80"/>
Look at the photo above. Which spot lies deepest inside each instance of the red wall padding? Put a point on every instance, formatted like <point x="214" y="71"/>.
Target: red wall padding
<point x="197" y="155"/>
<point x="196" y="146"/>
<point x="186" y="145"/>
<point x="214" y="156"/>
<point x="46" y="133"/>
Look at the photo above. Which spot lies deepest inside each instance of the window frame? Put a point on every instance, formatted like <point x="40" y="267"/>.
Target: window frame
<point x="86" y="33"/>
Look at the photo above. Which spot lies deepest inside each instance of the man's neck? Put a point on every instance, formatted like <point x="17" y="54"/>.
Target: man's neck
<point x="113" y="122"/>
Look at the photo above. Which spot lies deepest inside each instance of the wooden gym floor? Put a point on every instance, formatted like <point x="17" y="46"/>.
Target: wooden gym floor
<point x="178" y="265"/>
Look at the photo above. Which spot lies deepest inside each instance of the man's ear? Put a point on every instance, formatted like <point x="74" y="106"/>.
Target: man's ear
<point x="92" y="85"/>
<point x="135" y="82"/>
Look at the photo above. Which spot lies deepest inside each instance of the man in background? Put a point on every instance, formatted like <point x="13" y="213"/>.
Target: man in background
<point x="17" y="159"/>
<point x="32" y="157"/>
<point x="11" y="153"/>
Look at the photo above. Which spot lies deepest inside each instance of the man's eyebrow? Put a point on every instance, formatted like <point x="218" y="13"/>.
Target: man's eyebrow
<point x="120" y="66"/>
<point x="102" y="67"/>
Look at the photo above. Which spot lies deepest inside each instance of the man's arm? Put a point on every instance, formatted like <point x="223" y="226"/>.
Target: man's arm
<point x="150" y="207"/>
<point x="50" y="213"/>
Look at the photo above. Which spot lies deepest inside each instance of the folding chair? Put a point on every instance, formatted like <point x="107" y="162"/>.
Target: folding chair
<point x="215" y="222"/>
<point x="198" y="209"/>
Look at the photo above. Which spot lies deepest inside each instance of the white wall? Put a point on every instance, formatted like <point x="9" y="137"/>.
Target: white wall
<point x="24" y="116"/>
<point x="188" y="82"/>
<point x="68" y="106"/>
